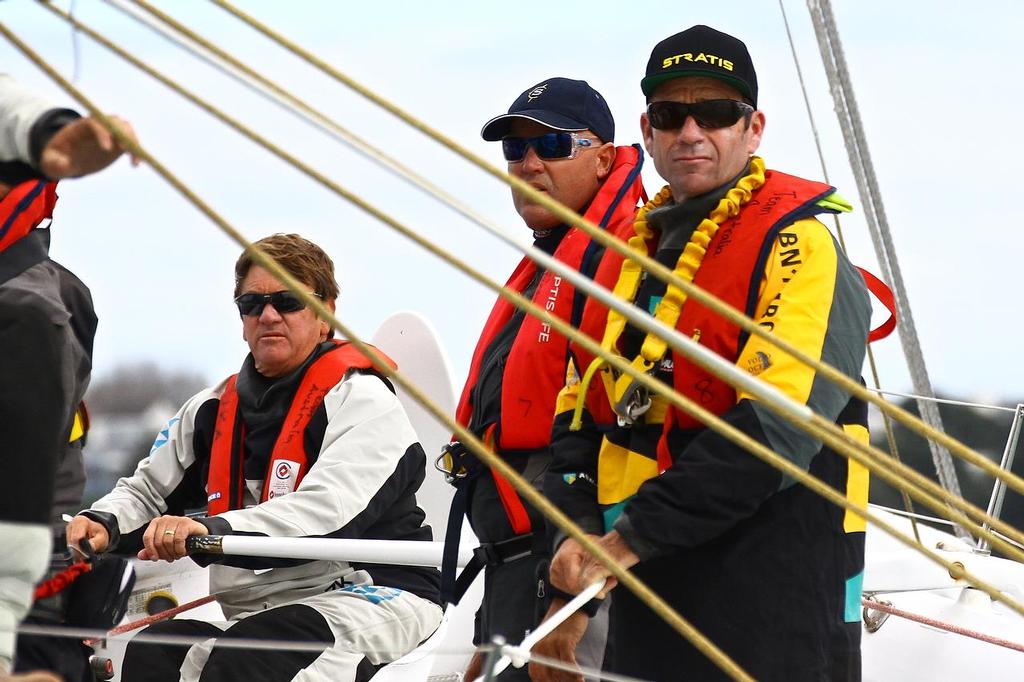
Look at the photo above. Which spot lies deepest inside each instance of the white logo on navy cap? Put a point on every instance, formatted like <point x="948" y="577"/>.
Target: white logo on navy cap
<point x="536" y="92"/>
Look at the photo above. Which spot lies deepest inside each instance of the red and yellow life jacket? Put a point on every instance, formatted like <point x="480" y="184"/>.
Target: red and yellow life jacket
<point x="23" y="208"/>
<point x="732" y="270"/>
<point x="289" y="461"/>
<point x="535" y="370"/>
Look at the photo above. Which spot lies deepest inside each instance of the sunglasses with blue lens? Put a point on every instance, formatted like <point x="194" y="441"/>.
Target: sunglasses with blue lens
<point x="548" y="147"/>
<point x="283" y="302"/>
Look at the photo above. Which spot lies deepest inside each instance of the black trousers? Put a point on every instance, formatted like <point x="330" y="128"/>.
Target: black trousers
<point x="145" y="662"/>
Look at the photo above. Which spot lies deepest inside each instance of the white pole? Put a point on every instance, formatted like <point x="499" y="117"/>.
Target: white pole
<point x="397" y="552"/>
<point x="520" y="655"/>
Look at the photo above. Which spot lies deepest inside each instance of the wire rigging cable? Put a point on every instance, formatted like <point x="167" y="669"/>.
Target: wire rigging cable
<point x="527" y="489"/>
<point x="884" y="472"/>
<point x="652" y="266"/>
<point x="785" y="407"/>
<point x="867" y="184"/>
<point x="524" y="488"/>
<point x="890" y="435"/>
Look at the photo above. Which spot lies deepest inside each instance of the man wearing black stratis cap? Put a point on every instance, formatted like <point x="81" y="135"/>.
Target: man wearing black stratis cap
<point x="766" y="569"/>
<point x="557" y="137"/>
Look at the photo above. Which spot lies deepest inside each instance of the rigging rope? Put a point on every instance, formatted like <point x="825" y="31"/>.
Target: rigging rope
<point x="875" y="460"/>
<point x="698" y="294"/>
<point x="342" y="329"/>
<point x="860" y="160"/>
<point x="883" y="471"/>
<point x="874" y="605"/>
<point x="656" y="269"/>
<point x="525" y="489"/>
<point x="890" y="435"/>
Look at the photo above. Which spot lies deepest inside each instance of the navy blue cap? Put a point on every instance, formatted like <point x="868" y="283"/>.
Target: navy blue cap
<point x="559" y="103"/>
<point x="702" y="51"/>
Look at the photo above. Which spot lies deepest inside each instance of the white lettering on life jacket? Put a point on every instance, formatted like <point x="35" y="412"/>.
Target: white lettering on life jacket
<point x="549" y="305"/>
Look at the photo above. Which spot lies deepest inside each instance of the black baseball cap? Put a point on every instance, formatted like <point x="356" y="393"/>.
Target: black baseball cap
<point x="702" y="51"/>
<point x="559" y="103"/>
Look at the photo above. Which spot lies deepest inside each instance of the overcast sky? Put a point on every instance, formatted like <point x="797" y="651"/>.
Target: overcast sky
<point x="935" y="82"/>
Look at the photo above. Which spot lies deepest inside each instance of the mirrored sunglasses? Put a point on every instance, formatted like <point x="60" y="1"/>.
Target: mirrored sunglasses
<point x="548" y="147"/>
<point x="283" y="302"/>
<point x="711" y="113"/>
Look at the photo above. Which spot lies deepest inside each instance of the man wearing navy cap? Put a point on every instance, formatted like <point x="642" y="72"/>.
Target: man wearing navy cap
<point x="558" y="137"/>
<point x="767" y="570"/>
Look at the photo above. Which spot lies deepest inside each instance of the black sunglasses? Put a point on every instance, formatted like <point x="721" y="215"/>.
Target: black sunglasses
<point x="283" y="302"/>
<point x="711" y="113"/>
<point x="549" y="146"/>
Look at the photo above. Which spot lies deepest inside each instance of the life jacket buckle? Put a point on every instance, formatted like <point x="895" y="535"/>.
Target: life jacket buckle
<point x="633" y="405"/>
<point x="632" y="399"/>
<point x="452" y="462"/>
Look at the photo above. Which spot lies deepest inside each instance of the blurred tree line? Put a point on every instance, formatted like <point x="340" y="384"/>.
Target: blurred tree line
<point x="127" y="409"/>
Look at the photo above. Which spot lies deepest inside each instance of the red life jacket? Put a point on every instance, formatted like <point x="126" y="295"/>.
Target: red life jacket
<point x="23" y="208"/>
<point x="288" y="461"/>
<point x="731" y="270"/>
<point x="535" y="370"/>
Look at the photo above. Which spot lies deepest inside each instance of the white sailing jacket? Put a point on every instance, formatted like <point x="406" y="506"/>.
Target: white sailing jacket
<point x="361" y="483"/>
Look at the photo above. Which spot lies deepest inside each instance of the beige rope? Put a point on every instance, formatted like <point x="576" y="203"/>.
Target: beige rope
<point x="890" y="435"/>
<point x="656" y="269"/>
<point x="644" y="593"/>
<point x="890" y="470"/>
<point x="474" y="445"/>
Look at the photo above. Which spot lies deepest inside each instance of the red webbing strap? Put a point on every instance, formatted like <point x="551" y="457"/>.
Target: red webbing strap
<point x="324" y="374"/>
<point x="664" y="456"/>
<point x="884" y="294"/>
<point x="62" y="580"/>
<point x="225" y="480"/>
<point x="514" y="508"/>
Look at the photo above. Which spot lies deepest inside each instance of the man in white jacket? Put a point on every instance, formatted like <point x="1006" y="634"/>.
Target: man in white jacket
<point x="305" y="441"/>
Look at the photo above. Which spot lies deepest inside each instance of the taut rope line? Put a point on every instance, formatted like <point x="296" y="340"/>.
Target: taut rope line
<point x="890" y="436"/>
<point x="848" y="114"/>
<point x="656" y="269"/>
<point x="875" y="460"/>
<point x="526" y="490"/>
<point x="942" y="625"/>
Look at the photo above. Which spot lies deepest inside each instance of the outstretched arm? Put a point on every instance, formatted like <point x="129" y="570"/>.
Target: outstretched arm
<point x="40" y="140"/>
